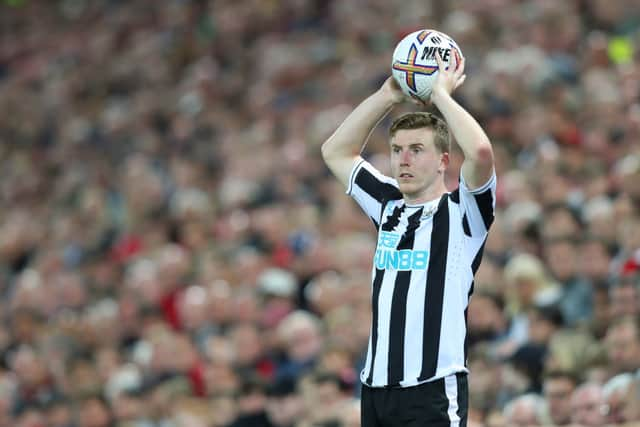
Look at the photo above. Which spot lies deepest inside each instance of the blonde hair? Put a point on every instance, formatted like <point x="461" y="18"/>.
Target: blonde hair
<point x="527" y="267"/>
<point x="420" y="120"/>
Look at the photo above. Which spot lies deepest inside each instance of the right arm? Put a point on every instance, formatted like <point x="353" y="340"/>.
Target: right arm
<point x="341" y="150"/>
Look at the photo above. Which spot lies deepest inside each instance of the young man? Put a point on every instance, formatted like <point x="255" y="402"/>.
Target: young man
<point x="429" y="246"/>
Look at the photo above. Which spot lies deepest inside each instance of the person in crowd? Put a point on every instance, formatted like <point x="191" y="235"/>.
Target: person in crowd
<point x="151" y="154"/>
<point x="558" y="388"/>
<point x="524" y="410"/>
<point x="587" y="405"/>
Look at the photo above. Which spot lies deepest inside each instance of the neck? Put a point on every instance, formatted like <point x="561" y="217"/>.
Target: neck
<point x="432" y="193"/>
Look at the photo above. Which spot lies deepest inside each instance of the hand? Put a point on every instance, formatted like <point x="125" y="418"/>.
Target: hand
<point x="391" y="88"/>
<point x="449" y="77"/>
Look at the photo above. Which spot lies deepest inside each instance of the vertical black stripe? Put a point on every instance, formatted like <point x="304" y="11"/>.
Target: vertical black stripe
<point x="462" y="382"/>
<point x="375" y="188"/>
<point x="395" y="367"/>
<point x="466" y="336"/>
<point x="434" y="294"/>
<point x="485" y="205"/>
<point x="377" y="284"/>
<point x="439" y="402"/>
<point x="475" y="264"/>
<point x="465" y="225"/>
<point x="466" y="329"/>
<point x="476" y="260"/>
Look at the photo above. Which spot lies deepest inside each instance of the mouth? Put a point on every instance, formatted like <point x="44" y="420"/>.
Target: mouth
<point x="405" y="175"/>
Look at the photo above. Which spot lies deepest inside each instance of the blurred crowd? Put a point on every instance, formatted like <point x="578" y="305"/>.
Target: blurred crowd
<point x="173" y="252"/>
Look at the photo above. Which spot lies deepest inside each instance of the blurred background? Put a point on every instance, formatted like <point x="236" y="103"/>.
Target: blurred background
<point x="174" y="253"/>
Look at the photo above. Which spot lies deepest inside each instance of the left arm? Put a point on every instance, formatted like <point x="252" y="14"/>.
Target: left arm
<point x="477" y="167"/>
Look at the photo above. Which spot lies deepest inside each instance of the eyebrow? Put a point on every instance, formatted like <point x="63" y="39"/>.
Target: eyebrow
<point x="413" y="144"/>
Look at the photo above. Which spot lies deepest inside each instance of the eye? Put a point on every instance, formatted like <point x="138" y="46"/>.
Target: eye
<point x="416" y="150"/>
<point x="395" y="149"/>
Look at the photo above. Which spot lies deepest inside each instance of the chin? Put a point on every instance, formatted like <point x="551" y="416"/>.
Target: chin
<point x="407" y="187"/>
<point x="409" y="192"/>
<point x="404" y="188"/>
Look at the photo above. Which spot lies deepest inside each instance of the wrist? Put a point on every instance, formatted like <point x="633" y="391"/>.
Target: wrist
<point x="439" y="94"/>
<point x="387" y="97"/>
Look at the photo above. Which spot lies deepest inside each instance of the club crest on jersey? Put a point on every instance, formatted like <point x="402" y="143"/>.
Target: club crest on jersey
<point x="429" y="212"/>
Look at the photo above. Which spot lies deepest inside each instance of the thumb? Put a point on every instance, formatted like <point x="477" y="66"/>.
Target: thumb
<point x="460" y="81"/>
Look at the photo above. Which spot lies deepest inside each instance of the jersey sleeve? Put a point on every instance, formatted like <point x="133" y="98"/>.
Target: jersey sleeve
<point x="478" y="207"/>
<point x="371" y="189"/>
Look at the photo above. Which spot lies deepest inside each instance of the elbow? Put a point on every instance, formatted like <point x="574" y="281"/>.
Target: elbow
<point x="331" y="150"/>
<point x="483" y="154"/>
<point x="325" y="149"/>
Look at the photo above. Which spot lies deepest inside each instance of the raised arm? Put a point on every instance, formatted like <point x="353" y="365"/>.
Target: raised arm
<point x="477" y="167"/>
<point x="341" y="149"/>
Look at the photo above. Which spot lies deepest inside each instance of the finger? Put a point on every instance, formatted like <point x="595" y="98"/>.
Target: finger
<point x="454" y="60"/>
<point x="460" y="81"/>
<point x="439" y="61"/>
<point x="460" y="64"/>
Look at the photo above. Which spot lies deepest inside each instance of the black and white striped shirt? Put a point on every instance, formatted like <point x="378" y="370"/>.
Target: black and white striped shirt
<point x="422" y="276"/>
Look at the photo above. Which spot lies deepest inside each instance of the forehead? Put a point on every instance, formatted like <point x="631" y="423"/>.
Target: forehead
<point x="624" y="329"/>
<point x="558" y="384"/>
<point x="586" y="395"/>
<point x="413" y="136"/>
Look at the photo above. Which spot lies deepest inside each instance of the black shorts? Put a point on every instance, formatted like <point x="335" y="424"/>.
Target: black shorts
<point x="440" y="403"/>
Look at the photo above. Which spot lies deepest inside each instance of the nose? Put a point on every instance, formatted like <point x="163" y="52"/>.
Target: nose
<point x="405" y="157"/>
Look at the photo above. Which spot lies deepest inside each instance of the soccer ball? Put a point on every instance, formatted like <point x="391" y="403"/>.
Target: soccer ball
<point x="414" y="64"/>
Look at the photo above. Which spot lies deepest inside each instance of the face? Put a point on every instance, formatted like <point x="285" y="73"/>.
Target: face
<point x="540" y="330"/>
<point x="94" y="413"/>
<point x="523" y="415"/>
<point x="416" y="163"/>
<point x="623" y="347"/>
<point x="284" y="410"/>
<point x="247" y="344"/>
<point x="625" y="301"/>
<point x="587" y="406"/>
<point x="559" y="223"/>
<point x="631" y="410"/>
<point x="594" y="260"/>
<point x="558" y="392"/>
<point x="304" y="343"/>
<point x="616" y="407"/>
<point x="561" y="257"/>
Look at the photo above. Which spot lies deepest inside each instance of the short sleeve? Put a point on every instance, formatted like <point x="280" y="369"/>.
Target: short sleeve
<point x="478" y="206"/>
<point x="371" y="189"/>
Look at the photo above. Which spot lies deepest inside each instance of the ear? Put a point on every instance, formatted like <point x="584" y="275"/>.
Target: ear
<point x="444" y="161"/>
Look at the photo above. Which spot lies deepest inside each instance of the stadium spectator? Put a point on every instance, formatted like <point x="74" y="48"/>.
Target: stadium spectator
<point x="622" y="343"/>
<point x="615" y="393"/>
<point x="160" y="159"/>
<point x="587" y="405"/>
<point x="302" y="341"/>
<point x="525" y="410"/>
<point x="624" y="298"/>
<point x="558" y="387"/>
